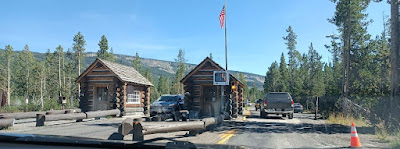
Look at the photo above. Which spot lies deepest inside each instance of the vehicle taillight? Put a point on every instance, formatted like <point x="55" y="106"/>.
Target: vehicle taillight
<point x="265" y="103"/>
<point x="292" y="103"/>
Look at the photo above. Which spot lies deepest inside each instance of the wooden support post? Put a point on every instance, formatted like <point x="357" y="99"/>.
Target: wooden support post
<point x="40" y="118"/>
<point x="137" y="131"/>
<point x="126" y="126"/>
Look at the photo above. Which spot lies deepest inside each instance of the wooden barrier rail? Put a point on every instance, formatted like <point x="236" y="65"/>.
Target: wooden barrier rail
<point x="97" y="114"/>
<point x="6" y="123"/>
<point x="134" y="126"/>
<point x="25" y="115"/>
<point x="22" y="115"/>
<point x="41" y="118"/>
<point x="185" y="126"/>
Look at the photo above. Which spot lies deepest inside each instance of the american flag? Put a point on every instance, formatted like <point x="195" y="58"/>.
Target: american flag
<point x="222" y="16"/>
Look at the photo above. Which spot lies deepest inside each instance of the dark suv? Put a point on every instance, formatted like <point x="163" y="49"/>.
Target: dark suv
<point x="167" y="106"/>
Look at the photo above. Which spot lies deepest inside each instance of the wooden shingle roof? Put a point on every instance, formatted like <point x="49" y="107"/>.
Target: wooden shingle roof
<point x="122" y="72"/>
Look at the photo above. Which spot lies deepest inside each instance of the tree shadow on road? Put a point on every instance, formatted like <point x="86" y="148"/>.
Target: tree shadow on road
<point x="115" y="125"/>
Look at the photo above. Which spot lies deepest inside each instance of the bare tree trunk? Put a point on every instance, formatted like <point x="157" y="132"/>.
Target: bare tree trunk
<point x="346" y="54"/>
<point x="27" y="80"/>
<point x="59" y="73"/>
<point x="8" y="82"/>
<point x="63" y="68"/>
<point x="70" y="94"/>
<point x="394" y="53"/>
<point x="41" y="90"/>
<point x="79" y="73"/>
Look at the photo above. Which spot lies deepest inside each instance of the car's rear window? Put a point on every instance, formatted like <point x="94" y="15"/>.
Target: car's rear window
<point x="278" y="95"/>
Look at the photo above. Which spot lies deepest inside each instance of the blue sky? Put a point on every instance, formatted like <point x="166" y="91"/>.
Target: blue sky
<point x="159" y="28"/>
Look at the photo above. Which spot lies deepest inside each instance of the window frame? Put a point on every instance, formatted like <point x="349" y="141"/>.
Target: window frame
<point x="134" y="94"/>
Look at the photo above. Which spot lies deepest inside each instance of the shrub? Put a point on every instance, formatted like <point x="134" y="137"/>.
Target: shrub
<point x="395" y="143"/>
<point x="10" y="109"/>
<point x="51" y="104"/>
<point x="381" y="133"/>
<point x="340" y="118"/>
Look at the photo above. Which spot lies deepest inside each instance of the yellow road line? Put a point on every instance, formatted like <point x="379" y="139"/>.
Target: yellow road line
<point x="225" y="137"/>
<point x="227" y="133"/>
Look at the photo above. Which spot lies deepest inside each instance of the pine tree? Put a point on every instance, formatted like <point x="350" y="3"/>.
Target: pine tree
<point x="103" y="51"/>
<point x="23" y="67"/>
<point x="163" y="85"/>
<point x="113" y="58"/>
<point x="136" y="63"/>
<point x="79" y="49"/>
<point x="283" y="82"/>
<point x="41" y="74"/>
<point x="154" y="91"/>
<point x="9" y="54"/>
<point x="51" y="86"/>
<point x="316" y="84"/>
<point x="180" y="73"/>
<point x="383" y="62"/>
<point x="337" y="67"/>
<point x="291" y="46"/>
<point x="60" y="56"/>
<point x="271" y="78"/>
<point x="350" y="20"/>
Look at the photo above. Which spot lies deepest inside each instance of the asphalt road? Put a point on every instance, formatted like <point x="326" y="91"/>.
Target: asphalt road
<point x="300" y="132"/>
<point x="253" y="132"/>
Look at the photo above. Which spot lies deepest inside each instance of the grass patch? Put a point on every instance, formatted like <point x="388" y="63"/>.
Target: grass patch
<point x="382" y="133"/>
<point x="395" y="143"/>
<point x="340" y="118"/>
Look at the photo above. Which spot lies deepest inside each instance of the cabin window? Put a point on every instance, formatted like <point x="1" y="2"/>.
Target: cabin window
<point x="102" y="93"/>
<point x="134" y="98"/>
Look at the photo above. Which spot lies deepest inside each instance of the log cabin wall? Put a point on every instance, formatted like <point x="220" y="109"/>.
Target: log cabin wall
<point x="200" y="84"/>
<point x="103" y="89"/>
<point x="204" y="98"/>
<point x="98" y="78"/>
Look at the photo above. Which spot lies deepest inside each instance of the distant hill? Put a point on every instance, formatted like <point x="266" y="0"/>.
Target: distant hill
<point x="168" y="68"/>
<point x="161" y="67"/>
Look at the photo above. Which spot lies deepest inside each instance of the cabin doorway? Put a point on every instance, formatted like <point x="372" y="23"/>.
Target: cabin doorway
<point x="101" y="98"/>
<point x="211" y="101"/>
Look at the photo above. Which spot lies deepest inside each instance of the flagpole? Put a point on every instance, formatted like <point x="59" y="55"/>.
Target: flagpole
<point x="226" y="44"/>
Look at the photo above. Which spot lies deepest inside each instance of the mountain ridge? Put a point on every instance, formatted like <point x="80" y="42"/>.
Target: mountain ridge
<point x="160" y="67"/>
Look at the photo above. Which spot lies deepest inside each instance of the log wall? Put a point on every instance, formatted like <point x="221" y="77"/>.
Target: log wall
<point x="100" y="76"/>
<point x="203" y="76"/>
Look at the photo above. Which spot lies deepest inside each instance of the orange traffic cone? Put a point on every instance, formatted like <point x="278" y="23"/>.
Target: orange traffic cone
<point x="355" y="141"/>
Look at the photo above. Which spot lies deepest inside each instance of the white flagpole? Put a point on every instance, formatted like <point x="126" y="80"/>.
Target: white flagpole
<point x="226" y="44"/>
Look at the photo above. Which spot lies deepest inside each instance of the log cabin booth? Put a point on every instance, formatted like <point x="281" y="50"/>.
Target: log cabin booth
<point x="106" y="85"/>
<point x="203" y="98"/>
